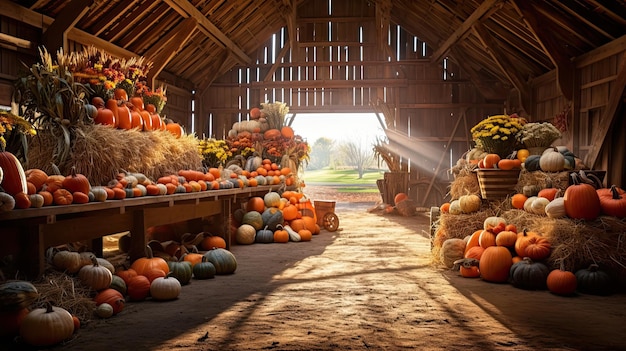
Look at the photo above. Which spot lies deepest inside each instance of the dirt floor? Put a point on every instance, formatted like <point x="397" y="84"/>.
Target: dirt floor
<point x="370" y="285"/>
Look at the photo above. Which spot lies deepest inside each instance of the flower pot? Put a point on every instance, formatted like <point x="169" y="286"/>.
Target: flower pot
<point x="496" y="183"/>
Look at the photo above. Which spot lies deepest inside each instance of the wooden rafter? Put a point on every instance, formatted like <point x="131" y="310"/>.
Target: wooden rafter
<point x="111" y="16"/>
<point x="185" y="8"/>
<point x="608" y="116"/>
<point x="289" y="11"/>
<point x="160" y="55"/>
<point x="279" y="58"/>
<point x="539" y="26"/>
<point x="505" y="65"/>
<point x="484" y="10"/>
<point x="55" y="36"/>
<point x="133" y="19"/>
<point x="383" y="17"/>
<point x="489" y="91"/>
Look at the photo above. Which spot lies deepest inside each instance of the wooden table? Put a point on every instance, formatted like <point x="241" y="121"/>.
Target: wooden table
<point x="34" y="230"/>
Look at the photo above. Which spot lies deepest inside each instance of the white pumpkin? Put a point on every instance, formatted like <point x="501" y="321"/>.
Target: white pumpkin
<point x="469" y="203"/>
<point x="538" y="205"/>
<point x="528" y="204"/>
<point x="552" y="161"/>
<point x="104" y="310"/>
<point x="493" y="222"/>
<point x="455" y="207"/>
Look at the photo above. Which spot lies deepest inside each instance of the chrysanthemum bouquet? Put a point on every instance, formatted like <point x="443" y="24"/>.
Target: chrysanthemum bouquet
<point x="539" y="134"/>
<point x="498" y="134"/>
<point x="214" y="152"/>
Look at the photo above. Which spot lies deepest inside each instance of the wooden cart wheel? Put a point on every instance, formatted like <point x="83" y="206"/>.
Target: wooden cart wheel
<point x="331" y="222"/>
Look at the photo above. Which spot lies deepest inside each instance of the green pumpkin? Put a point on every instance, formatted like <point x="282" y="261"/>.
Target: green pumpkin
<point x="254" y="219"/>
<point x="532" y="163"/>
<point x="204" y="269"/>
<point x="261" y="180"/>
<point x="264" y="236"/>
<point x="181" y="270"/>
<point x="594" y="281"/>
<point x="272" y="217"/>
<point x="118" y="284"/>
<point x="272" y="199"/>
<point x="223" y="260"/>
<point x="529" y="275"/>
<point x="18" y="294"/>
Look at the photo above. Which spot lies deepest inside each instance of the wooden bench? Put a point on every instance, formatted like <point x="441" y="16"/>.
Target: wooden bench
<point x="28" y="233"/>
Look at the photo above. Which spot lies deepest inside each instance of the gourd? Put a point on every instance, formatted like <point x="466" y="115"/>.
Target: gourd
<point x="47" y="326"/>
<point x="561" y="282"/>
<point x="594" y="281"/>
<point x="104" y="310"/>
<point x="581" y="201"/>
<point x="68" y="261"/>
<point x="223" y="260"/>
<point x="556" y="208"/>
<point x="281" y="235"/>
<point x="271" y="199"/>
<point x="117" y="283"/>
<point x="613" y="201"/>
<point x="529" y="203"/>
<point x="452" y="250"/>
<point x="76" y="182"/>
<point x="495" y="263"/>
<point x="95" y="276"/>
<point x="538" y="205"/>
<point x="7" y="202"/>
<point x="455" y="207"/>
<point x="493" y="222"/>
<point x="532" y="163"/>
<point x="293" y="235"/>
<point x="181" y="270"/>
<point x="204" y="269"/>
<point x="264" y="236"/>
<point x="213" y="241"/>
<point x="254" y="219"/>
<point x="36" y="200"/>
<point x="552" y="161"/>
<point x="469" y="203"/>
<point x="272" y="217"/>
<point x="486" y="239"/>
<point x="245" y="234"/>
<point x="17" y="294"/>
<point x="111" y="297"/>
<point x="506" y="238"/>
<point x="165" y="288"/>
<point x="528" y="274"/>
<point x="14" y="178"/>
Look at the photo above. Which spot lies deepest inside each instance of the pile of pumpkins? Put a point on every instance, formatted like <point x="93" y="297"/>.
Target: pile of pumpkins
<point x="498" y="253"/>
<point x="148" y="277"/>
<point x="34" y="188"/>
<point x="276" y="218"/>
<point x="585" y="199"/>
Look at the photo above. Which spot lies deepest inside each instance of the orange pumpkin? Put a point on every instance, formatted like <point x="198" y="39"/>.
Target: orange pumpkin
<point x="175" y="129"/>
<point x="491" y="160"/>
<point x="287" y="132"/>
<point x="211" y="242"/>
<point x="144" y="264"/>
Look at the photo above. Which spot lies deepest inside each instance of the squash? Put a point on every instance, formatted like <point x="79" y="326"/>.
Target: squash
<point x="144" y="264"/>
<point x="165" y="288"/>
<point x="455" y="207"/>
<point x="530" y="275"/>
<point x="76" y="182"/>
<point x="104" y="310"/>
<point x="561" y="282"/>
<point x="594" y="281"/>
<point x="17" y="294"/>
<point x="581" y="201"/>
<point x="95" y="276"/>
<point x="264" y="236"/>
<point x="7" y="202"/>
<point x="495" y="263"/>
<point x="493" y="222"/>
<point x="469" y="203"/>
<point x="552" y="161"/>
<point x="245" y="234"/>
<point x="254" y="219"/>
<point x="293" y="235"/>
<point x="612" y="201"/>
<point x="181" y="270"/>
<point x="223" y="260"/>
<point x="271" y="199"/>
<point x="204" y="269"/>
<point x="138" y="288"/>
<point x="452" y="249"/>
<point x="532" y="163"/>
<point x="68" y="261"/>
<point x="117" y="283"/>
<point x="556" y="208"/>
<point x="538" y="205"/>
<point x="111" y="297"/>
<point x="272" y="217"/>
<point x="47" y="326"/>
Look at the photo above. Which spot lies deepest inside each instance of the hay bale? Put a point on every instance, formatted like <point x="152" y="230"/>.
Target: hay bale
<point x="407" y="208"/>
<point x="465" y="182"/>
<point x="67" y="292"/>
<point x="100" y="152"/>
<point x="559" y="180"/>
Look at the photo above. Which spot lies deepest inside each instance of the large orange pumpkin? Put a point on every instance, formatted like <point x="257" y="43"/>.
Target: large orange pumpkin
<point x="495" y="263"/>
<point x="175" y="129"/>
<point x="14" y="180"/>
<point x="400" y="197"/>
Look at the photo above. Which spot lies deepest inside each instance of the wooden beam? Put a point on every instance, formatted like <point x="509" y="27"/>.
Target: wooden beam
<point x="208" y="27"/>
<point x="119" y="10"/>
<point x="609" y="114"/>
<point x="330" y="84"/>
<point x="507" y="67"/>
<point x="18" y="42"/>
<point x="539" y="25"/>
<point x="281" y="55"/>
<point x="464" y="29"/>
<point x="22" y="14"/>
<point x="171" y="44"/>
<point x="289" y="11"/>
<point x="55" y="36"/>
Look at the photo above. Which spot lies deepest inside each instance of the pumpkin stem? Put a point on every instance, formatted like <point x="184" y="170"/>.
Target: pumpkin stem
<point x="616" y="195"/>
<point x="49" y="307"/>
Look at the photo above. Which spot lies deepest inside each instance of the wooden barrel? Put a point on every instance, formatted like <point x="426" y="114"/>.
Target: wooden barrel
<point x="322" y="208"/>
<point x="497" y="183"/>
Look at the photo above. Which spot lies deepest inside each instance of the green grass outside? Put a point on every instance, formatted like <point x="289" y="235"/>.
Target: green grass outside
<point x="346" y="177"/>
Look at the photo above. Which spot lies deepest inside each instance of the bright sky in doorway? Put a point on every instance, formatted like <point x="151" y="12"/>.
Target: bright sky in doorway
<point x="339" y="127"/>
